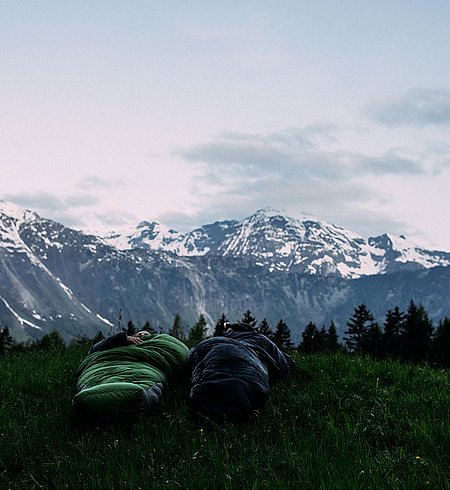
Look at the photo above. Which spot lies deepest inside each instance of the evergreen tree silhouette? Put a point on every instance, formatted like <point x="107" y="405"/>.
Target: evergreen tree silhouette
<point x="372" y="340"/>
<point x="360" y="323"/>
<point x="310" y="335"/>
<point x="264" y="328"/>
<point x="332" y="340"/>
<point x="6" y="341"/>
<point x="249" y="319"/>
<point x="197" y="332"/>
<point x="147" y="326"/>
<point x="177" y="330"/>
<point x="51" y="341"/>
<point x="130" y="328"/>
<point x="390" y="338"/>
<point x="219" y="329"/>
<point x="282" y="337"/>
<point x="98" y="337"/>
<point x="441" y="343"/>
<point x="322" y="339"/>
<point x="416" y="333"/>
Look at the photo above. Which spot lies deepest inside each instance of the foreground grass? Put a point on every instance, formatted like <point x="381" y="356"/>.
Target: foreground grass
<point x="339" y="423"/>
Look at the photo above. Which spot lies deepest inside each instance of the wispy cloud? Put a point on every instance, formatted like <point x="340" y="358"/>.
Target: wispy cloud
<point x="77" y="210"/>
<point x="48" y="202"/>
<point x="419" y="107"/>
<point x="35" y="200"/>
<point x="293" y="156"/>
<point x="95" y="182"/>
<point x="294" y="170"/>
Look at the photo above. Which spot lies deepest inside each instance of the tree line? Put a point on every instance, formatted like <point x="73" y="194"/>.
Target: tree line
<point x="408" y="336"/>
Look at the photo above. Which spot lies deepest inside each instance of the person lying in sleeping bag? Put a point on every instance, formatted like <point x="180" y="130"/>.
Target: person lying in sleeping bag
<point x="231" y="375"/>
<point x="124" y="377"/>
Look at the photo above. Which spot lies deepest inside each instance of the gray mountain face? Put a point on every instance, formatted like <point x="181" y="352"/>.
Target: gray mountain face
<point x="300" y="270"/>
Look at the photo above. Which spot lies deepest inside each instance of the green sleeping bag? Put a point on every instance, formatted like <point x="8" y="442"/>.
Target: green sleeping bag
<point x="123" y="383"/>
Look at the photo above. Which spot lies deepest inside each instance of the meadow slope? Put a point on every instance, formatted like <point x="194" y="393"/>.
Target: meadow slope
<point x="341" y="422"/>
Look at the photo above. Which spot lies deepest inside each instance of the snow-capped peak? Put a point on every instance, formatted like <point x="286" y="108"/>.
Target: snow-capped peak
<point x="400" y="250"/>
<point x="17" y="213"/>
<point x="270" y="212"/>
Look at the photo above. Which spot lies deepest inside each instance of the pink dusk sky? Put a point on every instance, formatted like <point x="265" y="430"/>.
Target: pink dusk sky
<point x="187" y="112"/>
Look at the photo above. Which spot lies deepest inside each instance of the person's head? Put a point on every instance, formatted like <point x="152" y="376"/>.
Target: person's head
<point x="142" y="334"/>
<point x="238" y="327"/>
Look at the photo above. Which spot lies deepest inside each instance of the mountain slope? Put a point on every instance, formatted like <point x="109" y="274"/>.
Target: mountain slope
<point x="34" y="298"/>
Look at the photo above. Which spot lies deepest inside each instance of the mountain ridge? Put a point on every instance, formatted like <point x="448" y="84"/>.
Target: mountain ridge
<point x="55" y="277"/>
<point x="291" y="244"/>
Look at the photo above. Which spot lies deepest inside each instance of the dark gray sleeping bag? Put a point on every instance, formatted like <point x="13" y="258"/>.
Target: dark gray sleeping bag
<point x="231" y="375"/>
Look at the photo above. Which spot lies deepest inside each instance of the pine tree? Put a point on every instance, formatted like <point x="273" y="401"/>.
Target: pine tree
<point x="264" y="329"/>
<point x="372" y="340"/>
<point x="322" y="339"/>
<point x="249" y="319"/>
<point x="197" y="332"/>
<point x="177" y="330"/>
<point x="130" y="328"/>
<point x="332" y="341"/>
<point x="358" y="326"/>
<point x="441" y="343"/>
<point x="6" y="341"/>
<point x="416" y="334"/>
<point x="147" y="327"/>
<point x="51" y="341"/>
<point x="282" y="337"/>
<point x="219" y="329"/>
<point x="119" y="321"/>
<point x="100" y="336"/>
<point x="310" y="335"/>
<point x="390" y="338"/>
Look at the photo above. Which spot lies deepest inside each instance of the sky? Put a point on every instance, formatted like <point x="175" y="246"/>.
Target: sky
<point x="186" y="112"/>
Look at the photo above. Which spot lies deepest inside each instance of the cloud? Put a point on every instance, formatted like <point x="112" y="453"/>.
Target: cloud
<point x="391" y="162"/>
<point x="290" y="156"/>
<point x="419" y="107"/>
<point x="47" y="202"/>
<point x="77" y="211"/>
<point x="115" y="218"/>
<point x="35" y="200"/>
<point x="295" y="170"/>
<point x="95" y="182"/>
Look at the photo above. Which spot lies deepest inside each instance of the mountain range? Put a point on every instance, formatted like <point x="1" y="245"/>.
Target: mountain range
<point x="299" y="268"/>
<point x="276" y="242"/>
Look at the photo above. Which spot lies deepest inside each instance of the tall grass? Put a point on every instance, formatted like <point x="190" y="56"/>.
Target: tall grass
<point x="341" y="422"/>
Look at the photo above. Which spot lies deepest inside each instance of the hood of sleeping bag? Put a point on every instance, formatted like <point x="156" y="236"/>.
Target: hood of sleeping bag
<point x="125" y="382"/>
<point x="231" y="375"/>
<point x="279" y="364"/>
<point x="228" y="381"/>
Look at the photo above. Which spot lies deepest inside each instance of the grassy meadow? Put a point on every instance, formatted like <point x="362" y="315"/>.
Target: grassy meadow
<point x="340" y="422"/>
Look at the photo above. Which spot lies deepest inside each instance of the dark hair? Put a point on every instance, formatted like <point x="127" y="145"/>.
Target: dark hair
<point x="240" y="327"/>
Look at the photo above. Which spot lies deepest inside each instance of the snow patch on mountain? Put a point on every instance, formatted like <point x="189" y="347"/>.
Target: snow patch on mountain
<point x="21" y="320"/>
<point x="104" y="320"/>
<point x="147" y="235"/>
